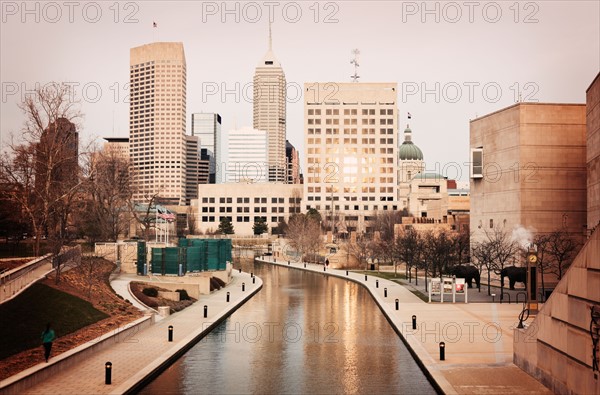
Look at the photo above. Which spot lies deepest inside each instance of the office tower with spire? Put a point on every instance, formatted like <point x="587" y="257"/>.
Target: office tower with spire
<point x="157" y="113"/>
<point x="270" y="111"/>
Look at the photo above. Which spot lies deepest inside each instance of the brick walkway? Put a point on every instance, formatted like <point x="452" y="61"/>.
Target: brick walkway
<point x="145" y="351"/>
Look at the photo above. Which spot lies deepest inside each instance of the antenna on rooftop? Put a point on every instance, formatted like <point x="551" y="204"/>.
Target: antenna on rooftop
<point x="354" y="61"/>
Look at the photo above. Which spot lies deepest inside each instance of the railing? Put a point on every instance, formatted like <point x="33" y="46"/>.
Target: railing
<point x="13" y="282"/>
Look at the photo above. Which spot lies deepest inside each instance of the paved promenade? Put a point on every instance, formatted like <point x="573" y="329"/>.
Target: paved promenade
<point x="478" y="337"/>
<point x="148" y="350"/>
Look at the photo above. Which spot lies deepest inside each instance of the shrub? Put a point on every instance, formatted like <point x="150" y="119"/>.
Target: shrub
<point x="183" y="295"/>
<point x="152" y="292"/>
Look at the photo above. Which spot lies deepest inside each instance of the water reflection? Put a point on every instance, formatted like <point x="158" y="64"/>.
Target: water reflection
<point x="302" y="333"/>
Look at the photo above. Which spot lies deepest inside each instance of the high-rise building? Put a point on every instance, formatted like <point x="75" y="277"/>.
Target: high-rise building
<point x="192" y="168"/>
<point x="207" y="126"/>
<point x="157" y="126"/>
<point x="350" y="135"/>
<point x="119" y="146"/>
<point x="204" y="167"/>
<point x="269" y="111"/>
<point x="248" y="160"/>
<point x="293" y="163"/>
<point x="57" y="157"/>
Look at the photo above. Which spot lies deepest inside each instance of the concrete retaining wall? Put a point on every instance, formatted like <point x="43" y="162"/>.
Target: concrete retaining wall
<point x="556" y="348"/>
<point x="20" y="382"/>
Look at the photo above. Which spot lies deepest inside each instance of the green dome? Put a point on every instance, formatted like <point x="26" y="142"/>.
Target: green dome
<point x="408" y="150"/>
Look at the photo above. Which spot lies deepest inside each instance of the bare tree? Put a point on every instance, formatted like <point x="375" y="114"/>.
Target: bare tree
<point x="105" y="211"/>
<point x="191" y="221"/>
<point x="503" y="250"/>
<point x="409" y="248"/>
<point x="482" y="254"/>
<point x="561" y="249"/>
<point x="144" y="213"/>
<point x="304" y="233"/>
<point x="361" y="249"/>
<point x="42" y="174"/>
<point x="544" y="261"/>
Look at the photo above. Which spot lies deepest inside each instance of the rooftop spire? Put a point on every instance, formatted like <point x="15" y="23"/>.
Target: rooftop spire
<point x="270" y="37"/>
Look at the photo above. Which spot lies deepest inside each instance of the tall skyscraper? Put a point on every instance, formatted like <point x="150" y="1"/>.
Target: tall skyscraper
<point x="248" y="157"/>
<point x="192" y="168"/>
<point x="269" y="111"/>
<point x="350" y="137"/>
<point x="157" y="114"/>
<point x="293" y="163"/>
<point x="57" y="157"/>
<point x="207" y="126"/>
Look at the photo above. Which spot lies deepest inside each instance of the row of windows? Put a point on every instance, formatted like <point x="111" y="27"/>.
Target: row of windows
<point x="352" y="111"/>
<point x="257" y="200"/>
<point x="210" y="218"/>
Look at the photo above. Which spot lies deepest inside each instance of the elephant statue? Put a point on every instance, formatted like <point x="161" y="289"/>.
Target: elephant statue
<point x="515" y="274"/>
<point x="467" y="272"/>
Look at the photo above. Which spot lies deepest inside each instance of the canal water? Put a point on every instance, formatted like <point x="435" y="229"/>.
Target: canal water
<point x="303" y="333"/>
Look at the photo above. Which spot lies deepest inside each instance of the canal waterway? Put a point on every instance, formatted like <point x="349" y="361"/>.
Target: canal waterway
<point x="303" y="333"/>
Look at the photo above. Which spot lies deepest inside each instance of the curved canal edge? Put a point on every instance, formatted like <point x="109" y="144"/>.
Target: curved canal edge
<point x="416" y="349"/>
<point x="151" y="371"/>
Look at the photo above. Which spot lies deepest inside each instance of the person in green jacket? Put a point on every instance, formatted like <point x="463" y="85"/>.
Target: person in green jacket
<point x="48" y="337"/>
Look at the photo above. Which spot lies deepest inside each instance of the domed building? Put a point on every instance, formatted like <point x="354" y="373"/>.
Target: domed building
<point x="410" y="163"/>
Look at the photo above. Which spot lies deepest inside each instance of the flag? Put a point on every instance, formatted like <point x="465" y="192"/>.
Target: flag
<point x="168" y="217"/>
<point x="409" y="116"/>
<point x="154" y="24"/>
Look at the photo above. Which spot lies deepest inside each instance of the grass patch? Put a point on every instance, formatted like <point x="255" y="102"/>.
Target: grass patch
<point x="386" y="275"/>
<point x="419" y="294"/>
<point x="24" y="318"/>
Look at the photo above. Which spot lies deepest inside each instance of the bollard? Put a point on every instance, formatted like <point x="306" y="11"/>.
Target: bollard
<point x="365" y="277"/>
<point x="253" y="280"/>
<point x="442" y="351"/>
<point x="170" y="333"/>
<point x="108" y="373"/>
<point x="324" y="268"/>
<point x="346" y="272"/>
<point x="227" y="296"/>
<point x="243" y="287"/>
<point x="240" y="269"/>
<point x="251" y="274"/>
<point x="376" y="283"/>
<point x="385" y="292"/>
<point x="397" y="304"/>
<point x="414" y="321"/>
<point x="205" y="311"/>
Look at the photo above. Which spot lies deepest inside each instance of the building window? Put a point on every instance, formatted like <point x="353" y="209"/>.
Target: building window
<point x="477" y="163"/>
<point x="491" y="223"/>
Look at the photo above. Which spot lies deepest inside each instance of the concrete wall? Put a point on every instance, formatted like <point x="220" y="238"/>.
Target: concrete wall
<point x="534" y="169"/>
<point x="593" y="153"/>
<point x="556" y="348"/>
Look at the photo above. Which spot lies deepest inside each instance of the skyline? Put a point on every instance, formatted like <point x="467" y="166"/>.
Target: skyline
<point x="552" y="60"/>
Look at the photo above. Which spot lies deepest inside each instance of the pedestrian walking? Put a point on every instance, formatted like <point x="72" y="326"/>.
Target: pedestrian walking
<point x="48" y="337"/>
<point x="327" y="262"/>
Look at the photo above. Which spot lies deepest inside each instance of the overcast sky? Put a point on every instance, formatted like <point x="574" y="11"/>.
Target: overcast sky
<point x="452" y="61"/>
